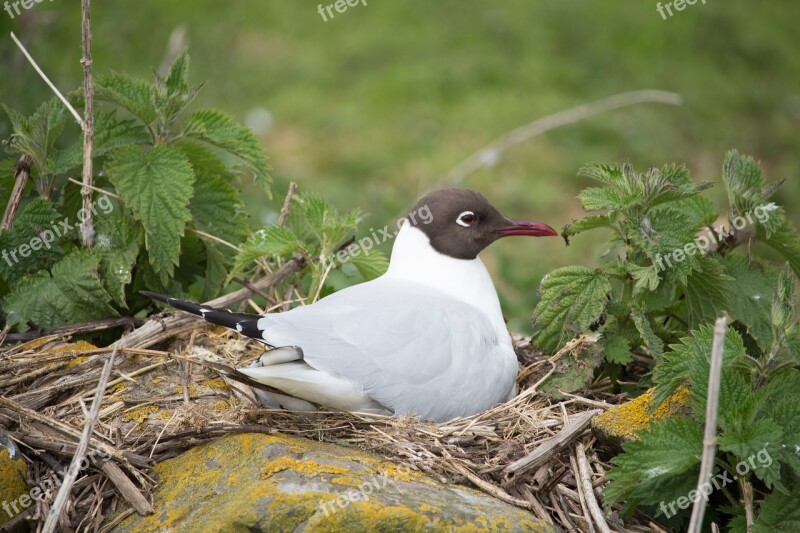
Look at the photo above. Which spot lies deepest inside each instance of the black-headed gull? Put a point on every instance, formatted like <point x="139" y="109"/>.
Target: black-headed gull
<point x="427" y="338"/>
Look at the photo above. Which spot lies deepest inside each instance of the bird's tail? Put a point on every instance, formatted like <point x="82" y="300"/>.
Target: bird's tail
<point x="244" y="323"/>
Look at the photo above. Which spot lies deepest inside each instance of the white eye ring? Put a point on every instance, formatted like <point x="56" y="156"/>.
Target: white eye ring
<point x="461" y="222"/>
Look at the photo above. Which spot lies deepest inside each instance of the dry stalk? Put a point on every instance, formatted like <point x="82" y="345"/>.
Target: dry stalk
<point x="80" y="453"/>
<point x="87" y="226"/>
<point x="710" y="436"/>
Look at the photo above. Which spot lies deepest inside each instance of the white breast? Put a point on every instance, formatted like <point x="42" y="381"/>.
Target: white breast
<point x="414" y="259"/>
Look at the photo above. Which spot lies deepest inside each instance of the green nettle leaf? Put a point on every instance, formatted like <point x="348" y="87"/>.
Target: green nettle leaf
<point x="156" y="185"/>
<point x="36" y="135"/>
<point x="762" y="435"/>
<point x="74" y="293"/>
<point x="215" y="206"/>
<point x="219" y="129"/>
<point x="783" y="305"/>
<point x="216" y="270"/>
<point x="118" y="241"/>
<point x="617" y="349"/>
<point x="586" y="224"/>
<point x="109" y="133"/>
<point x="708" y="291"/>
<point x="645" y="329"/>
<point x="173" y="93"/>
<point x="786" y="241"/>
<point x="750" y="303"/>
<point x="135" y="96"/>
<point x="274" y="241"/>
<point x="779" y="512"/>
<point x="370" y="264"/>
<point x="645" y="277"/>
<point x="681" y="363"/>
<point x="572" y="299"/>
<point x="603" y="198"/>
<point x="33" y="242"/>
<point x="661" y="466"/>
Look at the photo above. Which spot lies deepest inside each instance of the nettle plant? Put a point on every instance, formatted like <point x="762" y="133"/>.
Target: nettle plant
<point x="668" y="273"/>
<point x="172" y="180"/>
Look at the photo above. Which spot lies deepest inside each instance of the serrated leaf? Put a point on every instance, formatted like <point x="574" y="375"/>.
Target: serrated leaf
<point x="216" y="271"/>
<point x="604" y="198"/>
<point x="37" y="225"/>
<point x="135" y="96"/>
<point x="274" y="241"/>
<point x="36" y="134"/>
<point x="110" y="133"/>
<point x="779" y="512"/>
<point x="762" y="435"/>
<point x="220" y="130"/>
<point x="755" y="284"/>
<point x="73" y="293"/>
<point x="118" y="241"/>
<point x="370" y="265"/>
<point x="645" y="277"/>
<point x="586" y="224"/>
<point x="617" y="349"/>
<point x="156" y="185"/>
<point x="708" y="292"/>
<point x="680" y="364"/>
<point x="216" y="207"/>
<point x="660" y="466"/>
<point x="786" y="242"/>
<point x="645" y="329"/>
<point x="572" y="298"/>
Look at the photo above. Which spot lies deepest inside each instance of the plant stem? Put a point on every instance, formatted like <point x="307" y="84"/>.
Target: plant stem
<point x="710" y="436"/>
<point x="87" y="227"/>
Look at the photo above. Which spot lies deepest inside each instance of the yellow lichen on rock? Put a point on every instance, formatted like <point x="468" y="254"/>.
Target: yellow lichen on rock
<point x="13" y="474"/>
<point x="257" y="482"/>
<point x="620" y="423"/>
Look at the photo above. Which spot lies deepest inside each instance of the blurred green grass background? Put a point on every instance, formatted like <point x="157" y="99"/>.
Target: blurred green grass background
<point x="373" y="108"/>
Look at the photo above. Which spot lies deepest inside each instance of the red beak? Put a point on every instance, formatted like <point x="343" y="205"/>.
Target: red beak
<point x="527" y="227"/>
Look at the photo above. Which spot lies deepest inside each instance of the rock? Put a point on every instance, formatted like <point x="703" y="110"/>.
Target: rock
<point x="13" y="486"/>
<point x="619" y="424"/>
<point x="254" y="482"/>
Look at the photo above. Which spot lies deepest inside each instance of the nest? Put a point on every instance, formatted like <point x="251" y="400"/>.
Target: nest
<point x="533" y="452"/>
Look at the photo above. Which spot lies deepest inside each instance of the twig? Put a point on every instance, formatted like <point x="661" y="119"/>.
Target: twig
<point x="287" y="204"/>
<point x="259" y="292"/>
<point x="215" y="239"/>
<point x="87" y="226"/>
<point x="83" y="327"/>
<point x="488" y="155"/>
<point x="549" y="447"/>
<point x="95" y="189"/>
<point x="22" y="172"/>
<point x="747" y="501"/>
<point x="710" y="436"/>
<point x="47" y="80"/>
<point x="588" y="490"/>
<point x="83" y="445"/>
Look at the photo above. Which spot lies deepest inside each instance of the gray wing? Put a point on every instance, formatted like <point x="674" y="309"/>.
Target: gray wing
<point x="412" y="349"/>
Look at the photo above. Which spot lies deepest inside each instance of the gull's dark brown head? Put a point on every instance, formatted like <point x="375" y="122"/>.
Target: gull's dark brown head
<point x="460" y="223"/>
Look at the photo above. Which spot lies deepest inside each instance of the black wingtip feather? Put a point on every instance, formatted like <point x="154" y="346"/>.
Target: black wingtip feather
<point x="244" y="323"/>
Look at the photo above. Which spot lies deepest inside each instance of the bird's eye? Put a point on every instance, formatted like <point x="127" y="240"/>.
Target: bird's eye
<point x="466" y="219"/>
